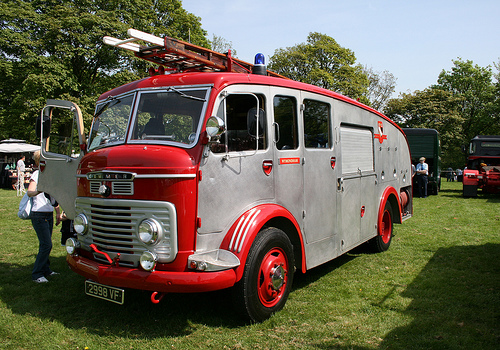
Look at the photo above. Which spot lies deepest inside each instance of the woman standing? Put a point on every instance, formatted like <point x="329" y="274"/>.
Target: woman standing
<point x="42" y="218"/>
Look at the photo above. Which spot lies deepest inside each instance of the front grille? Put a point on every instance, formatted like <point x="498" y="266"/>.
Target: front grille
<point x="113" y="227"/>
<point x="120" y="188"/>
<point x="94" y="187"/>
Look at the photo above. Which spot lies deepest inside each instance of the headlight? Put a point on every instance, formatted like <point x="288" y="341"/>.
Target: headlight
<point x="72" y="245"/>
<point x="148" y="261"/>
<point x="149" y="231"/>
<point x="81" y="224"/>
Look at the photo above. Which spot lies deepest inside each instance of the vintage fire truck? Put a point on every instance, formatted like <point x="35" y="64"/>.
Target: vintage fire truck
<point x="214" y="173"/>
<point x="483" y="166"/>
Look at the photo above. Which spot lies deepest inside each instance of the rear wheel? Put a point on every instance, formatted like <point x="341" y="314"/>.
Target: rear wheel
<point x="382" y="241"/>
<point x="268" y="276"/>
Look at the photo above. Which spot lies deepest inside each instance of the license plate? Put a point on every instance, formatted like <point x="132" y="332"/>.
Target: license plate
<point x="115" y="295"/>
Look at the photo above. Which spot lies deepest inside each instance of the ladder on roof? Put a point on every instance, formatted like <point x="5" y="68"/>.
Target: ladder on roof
<point x="178" y="55"/>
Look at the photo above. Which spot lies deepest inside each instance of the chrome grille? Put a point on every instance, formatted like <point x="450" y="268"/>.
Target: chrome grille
<point x="94" y="187"/>
<point x="120" y="188"/>
<point x="113" y="227"/>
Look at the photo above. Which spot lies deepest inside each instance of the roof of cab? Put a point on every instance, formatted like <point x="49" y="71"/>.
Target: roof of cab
<point x="220" y="80"/>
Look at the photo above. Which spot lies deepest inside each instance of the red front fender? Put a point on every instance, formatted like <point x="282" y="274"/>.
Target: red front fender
<point x="240" y="237"/>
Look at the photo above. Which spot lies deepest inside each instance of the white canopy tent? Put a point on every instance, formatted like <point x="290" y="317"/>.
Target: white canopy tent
<point x="17" y="146"/>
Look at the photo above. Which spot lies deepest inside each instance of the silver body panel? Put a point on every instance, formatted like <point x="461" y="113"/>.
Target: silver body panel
<point x="326" y="202"/>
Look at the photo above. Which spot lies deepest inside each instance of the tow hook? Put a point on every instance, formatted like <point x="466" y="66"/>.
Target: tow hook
<point x="156" y="297"/>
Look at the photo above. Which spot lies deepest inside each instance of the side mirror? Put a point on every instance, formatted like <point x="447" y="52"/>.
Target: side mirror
<point x="43" y="123"/>
<point x="215" y="128"/>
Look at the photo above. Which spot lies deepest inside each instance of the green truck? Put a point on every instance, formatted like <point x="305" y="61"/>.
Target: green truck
<point x="425" y="143"/>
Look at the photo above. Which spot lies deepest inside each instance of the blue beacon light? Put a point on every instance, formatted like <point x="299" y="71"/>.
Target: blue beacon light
<point x="259" y="66"/>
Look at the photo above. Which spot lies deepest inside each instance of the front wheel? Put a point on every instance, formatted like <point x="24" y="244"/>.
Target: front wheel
<point x="268" y="276"/>
<point x="382" y="241"/>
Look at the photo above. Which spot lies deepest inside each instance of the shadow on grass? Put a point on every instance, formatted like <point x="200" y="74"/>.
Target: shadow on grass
<point x="455" y="302"/>
<point x="63" y="299"/>
<point x="301" y="280"/>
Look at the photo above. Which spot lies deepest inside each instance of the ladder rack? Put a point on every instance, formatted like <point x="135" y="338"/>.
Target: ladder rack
<point x="178" y="55"/>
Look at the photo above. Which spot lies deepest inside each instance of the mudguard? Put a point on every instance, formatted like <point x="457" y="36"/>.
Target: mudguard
<point x="240" y="237"/>
<point x="390" y="194"/>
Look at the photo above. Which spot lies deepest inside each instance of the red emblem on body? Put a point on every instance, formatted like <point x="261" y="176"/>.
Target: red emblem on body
<point x="380" y="136"/>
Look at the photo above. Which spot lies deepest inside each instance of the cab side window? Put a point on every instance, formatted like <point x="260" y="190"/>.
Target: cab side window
<point x="245" y="124"/>
<point x="317" y="124"/>
<point x="285" y="117"/>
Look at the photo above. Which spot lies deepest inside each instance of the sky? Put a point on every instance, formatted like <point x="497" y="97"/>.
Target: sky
<point x="412" y="39"/>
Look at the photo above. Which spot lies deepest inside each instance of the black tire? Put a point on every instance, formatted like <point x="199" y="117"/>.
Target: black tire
<point x="268" y="276"/>
<point x="382" y="241"/>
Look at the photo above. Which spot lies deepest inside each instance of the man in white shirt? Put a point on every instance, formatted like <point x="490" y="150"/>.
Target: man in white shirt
<point x="21" y="168"/>
<point x="422" y="177"/>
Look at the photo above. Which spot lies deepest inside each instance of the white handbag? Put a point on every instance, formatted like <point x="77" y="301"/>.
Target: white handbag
<point x="25" y="207"/>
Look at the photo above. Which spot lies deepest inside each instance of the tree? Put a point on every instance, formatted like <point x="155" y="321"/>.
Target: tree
<point x="219" y="44"/>
<point x="322" y="62"/>
<point x="476" y="93"/>
<point x="54" y="49"/>
<point x="464" y="103"/>
<point x="382" y="85"/>
<point x="431" y="109"/>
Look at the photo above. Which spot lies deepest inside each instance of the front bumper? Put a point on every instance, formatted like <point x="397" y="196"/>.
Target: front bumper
<point x="156" y="281"/>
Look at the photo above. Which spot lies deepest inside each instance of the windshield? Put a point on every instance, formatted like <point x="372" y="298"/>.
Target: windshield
<point x="171" y="115"/>
<point x="110" y="122"/>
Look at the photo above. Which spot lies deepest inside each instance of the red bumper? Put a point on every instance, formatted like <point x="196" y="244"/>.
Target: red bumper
<point x="157" y="281"/>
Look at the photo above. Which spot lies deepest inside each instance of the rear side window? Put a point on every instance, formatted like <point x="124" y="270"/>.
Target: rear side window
<point x="285" y="116"/>
<point x="317" y="124"/>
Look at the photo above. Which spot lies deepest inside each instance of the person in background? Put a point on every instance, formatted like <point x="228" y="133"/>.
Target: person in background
<point x="450" y="176"/>
<point x="67" y="230"/>
<point x="21" y="168"/>
<point x="42" y="219"/>
<point x="422" y="177"/>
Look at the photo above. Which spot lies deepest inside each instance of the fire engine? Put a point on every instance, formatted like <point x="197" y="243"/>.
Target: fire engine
<point x="483" y="166"/>
<point x="214" y="173"/>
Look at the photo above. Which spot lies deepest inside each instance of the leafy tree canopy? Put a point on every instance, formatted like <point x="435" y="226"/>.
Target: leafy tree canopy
<point x="54" y="49"/>
<point x="321" y="61"/>
<point x="464" y="103"/>
<point x="381" y="87"/>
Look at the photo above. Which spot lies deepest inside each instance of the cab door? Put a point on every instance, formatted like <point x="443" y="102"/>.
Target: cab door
<point x="63" y="144"/>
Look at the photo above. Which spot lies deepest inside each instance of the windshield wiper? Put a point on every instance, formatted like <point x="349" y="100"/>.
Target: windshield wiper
<point x="185" y="95"/>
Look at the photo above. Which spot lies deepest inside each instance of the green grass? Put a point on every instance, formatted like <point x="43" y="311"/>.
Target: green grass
<point x="436" y="288"/>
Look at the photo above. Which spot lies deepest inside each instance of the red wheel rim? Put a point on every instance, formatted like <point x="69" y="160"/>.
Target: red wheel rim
<point x="386" y="227"/>
<point x="273" y="277"/>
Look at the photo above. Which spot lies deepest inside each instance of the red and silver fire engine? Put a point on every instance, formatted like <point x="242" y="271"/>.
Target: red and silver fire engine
<point x="483" y="166"/>
<point x="214" y="173"/>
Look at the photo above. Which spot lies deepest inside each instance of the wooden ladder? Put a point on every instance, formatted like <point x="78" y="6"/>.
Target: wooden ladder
<point x="180" y="56"/>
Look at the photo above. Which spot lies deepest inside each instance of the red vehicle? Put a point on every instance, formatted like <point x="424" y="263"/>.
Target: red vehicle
<point x="483" y="166"/>
<point x="219" y="175"/>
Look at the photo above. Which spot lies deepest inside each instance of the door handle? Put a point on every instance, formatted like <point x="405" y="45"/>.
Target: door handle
<point x="340" y="184"/>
